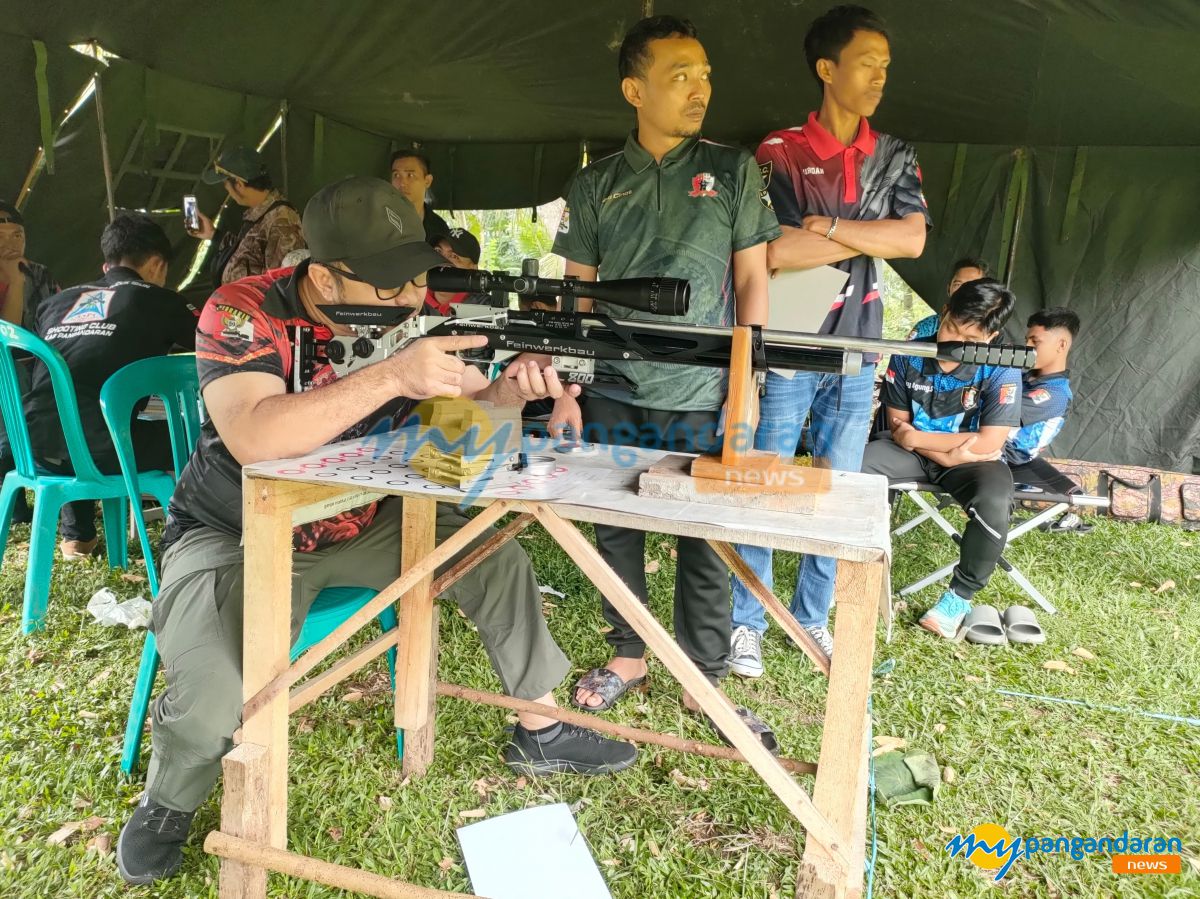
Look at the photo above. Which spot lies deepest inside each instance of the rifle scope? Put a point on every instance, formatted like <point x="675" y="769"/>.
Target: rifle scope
<point x="658" y="296"/>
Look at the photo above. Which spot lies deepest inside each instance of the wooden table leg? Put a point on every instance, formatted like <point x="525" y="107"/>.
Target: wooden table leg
<point x="416" y="659"/>
<point x="267" y="529"/>
<point x="841" y="768"/>
<point x="710" y="699"/>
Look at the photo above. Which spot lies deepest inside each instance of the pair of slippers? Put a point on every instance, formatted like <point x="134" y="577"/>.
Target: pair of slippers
<point x="986" y="626"/>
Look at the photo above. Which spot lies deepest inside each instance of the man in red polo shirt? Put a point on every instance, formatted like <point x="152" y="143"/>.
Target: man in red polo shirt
<point x="845" y="196"/>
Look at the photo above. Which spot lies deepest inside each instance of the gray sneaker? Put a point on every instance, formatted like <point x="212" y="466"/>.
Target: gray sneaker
<point x="745" y="652"/>
<point x="822" y="636"/>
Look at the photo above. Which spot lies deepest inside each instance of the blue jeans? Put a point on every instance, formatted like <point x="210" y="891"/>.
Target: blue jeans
<point x="841" y="417"/>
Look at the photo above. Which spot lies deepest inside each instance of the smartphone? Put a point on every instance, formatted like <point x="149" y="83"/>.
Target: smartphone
<point x="191" y="215"/>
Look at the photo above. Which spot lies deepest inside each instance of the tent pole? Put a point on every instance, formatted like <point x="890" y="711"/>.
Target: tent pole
<point x="1016" y="232"/>
<point x="104" y="160"/>
<point x="283" y="117"/>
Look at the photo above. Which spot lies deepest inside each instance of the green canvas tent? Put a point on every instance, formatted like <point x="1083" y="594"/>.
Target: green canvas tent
<point x="1060" y="138"/>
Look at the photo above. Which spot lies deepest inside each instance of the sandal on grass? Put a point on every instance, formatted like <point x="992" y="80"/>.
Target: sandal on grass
<point x="982" y="625"/>
<point x="608" y="686"/>
<point x="757" y="726"/>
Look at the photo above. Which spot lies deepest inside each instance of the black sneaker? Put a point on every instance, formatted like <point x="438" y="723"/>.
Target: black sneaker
<point x="572" y="750"/>
<point x="150" y="846"/>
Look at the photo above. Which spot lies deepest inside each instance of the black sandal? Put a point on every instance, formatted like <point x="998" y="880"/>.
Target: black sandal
<point x="757" y="726"/>
<point x="608" y="686"/>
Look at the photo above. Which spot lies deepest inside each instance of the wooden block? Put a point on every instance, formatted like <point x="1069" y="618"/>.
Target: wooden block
<point x="673" y="477"/>
<point x="414" y="688"/>
<point x="266" y="641"/>
<point x="244" y="815"/>
<point x="841" y="771"/>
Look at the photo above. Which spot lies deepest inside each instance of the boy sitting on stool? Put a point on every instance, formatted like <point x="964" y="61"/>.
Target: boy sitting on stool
<point x="948" y="426"/>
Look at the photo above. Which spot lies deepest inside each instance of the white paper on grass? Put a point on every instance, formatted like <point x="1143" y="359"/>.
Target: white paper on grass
<point x="799" y="301"/>
<point x="536" y="853"/>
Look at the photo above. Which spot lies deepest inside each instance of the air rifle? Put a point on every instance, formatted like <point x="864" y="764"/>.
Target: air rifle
<point x="577" y="341"/>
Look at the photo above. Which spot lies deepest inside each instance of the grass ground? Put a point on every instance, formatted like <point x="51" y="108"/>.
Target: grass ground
<point x="1032" y="767"/>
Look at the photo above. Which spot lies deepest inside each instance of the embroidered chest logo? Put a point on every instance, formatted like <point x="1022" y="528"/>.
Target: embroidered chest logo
<point x="1008" y="394"/>
<point x="812" y="170"/>
<point x="92" y="306"/>
<point x="970" y="397"/>
<point x="1039" y="396"/>
<point x="564" y="223"/>
<point x="703" y="185"/>
<point x="764" y="194"/>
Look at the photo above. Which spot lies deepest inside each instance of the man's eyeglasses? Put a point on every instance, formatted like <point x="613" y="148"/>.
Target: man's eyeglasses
<point x="420" y="281"/>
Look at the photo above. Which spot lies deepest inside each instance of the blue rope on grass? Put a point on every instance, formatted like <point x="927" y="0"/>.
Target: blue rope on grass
<point x="1178" y="719"/>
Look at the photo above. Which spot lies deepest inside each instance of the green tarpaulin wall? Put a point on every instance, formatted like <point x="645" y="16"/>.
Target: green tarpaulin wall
<point x="1064" y="134"/>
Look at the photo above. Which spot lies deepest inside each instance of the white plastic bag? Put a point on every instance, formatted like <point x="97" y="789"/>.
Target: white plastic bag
<point x="107" y="610"/>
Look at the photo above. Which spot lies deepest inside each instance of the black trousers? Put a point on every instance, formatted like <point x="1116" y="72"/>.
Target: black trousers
<point x="151" y="449"/>
<point x="983" y="489"/>
<point x="1040" y="473"/>
<point x="701" y="579"/>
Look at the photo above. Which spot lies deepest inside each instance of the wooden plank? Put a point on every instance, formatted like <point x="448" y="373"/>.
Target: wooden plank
<point x="842" y="777"/>
<point x="782" y="615"/>
<point x="710" y="699"/>
<point x="679" y="477"/>
<point x="481" y="552"/>
<point x="266" y="640"/>
<point x="321" y="650"/>
<point x="416" y="657"/>
<point x="868" y="551"/>
<point x="353" y="880"/>
<point x="336" y="673"/>
<point x="418" y="740"/>
<point x="594" y="722"/>
<point x="739" y="405"/>
<point x="858" y="836"/>
<point x="244" y="815"/>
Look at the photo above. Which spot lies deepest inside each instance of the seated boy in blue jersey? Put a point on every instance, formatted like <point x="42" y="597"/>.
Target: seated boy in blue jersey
<point x="1045" y="401"/>
<point x="948" y="425"/>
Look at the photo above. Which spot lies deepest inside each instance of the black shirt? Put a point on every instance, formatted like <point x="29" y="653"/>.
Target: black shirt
<point x="99" y="328"/>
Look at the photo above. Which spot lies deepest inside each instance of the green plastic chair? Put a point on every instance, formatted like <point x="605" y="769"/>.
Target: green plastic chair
<point x="174" y="380"/>
<point x="51" y="491"/>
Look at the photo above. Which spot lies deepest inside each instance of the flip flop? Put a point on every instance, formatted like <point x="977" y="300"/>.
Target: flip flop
<point x="757" y="726"/>
<point x="1022" y="626"/>
<point x="608" y="686"/>
<point x="982" y="625"/>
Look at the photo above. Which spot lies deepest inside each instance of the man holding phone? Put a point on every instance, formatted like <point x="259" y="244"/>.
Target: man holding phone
<point x="368" y="248"/>
<point x="270" y="226"/>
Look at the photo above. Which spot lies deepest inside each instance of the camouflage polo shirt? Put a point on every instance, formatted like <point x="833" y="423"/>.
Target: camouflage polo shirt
<point x="682" y="218"/>
<point x="269" y="232"/>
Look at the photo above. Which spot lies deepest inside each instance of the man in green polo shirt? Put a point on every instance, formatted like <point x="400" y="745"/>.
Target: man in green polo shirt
<point x="669" y="204"/>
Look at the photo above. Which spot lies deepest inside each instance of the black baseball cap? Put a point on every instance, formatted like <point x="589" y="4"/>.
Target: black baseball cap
<point x="10" y="215"/>
<point x="462" y="242"/>
<point x="237" y="162"/>
<point x="370" y="226"/>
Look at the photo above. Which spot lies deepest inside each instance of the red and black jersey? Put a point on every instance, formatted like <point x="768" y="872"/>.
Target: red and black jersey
<point x="259" y="324"/>
<point x="810" y="172"/>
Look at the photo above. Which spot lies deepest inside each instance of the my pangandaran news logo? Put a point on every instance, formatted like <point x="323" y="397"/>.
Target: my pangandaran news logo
<point x="992" y="848"/>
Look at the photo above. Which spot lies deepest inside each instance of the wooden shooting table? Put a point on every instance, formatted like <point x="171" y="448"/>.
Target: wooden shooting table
<point x="849" y="522"/>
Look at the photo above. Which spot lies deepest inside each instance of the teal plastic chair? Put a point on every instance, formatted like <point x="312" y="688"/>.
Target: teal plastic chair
<point x="51" y="491"/>
<point x="174" y="380"/>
